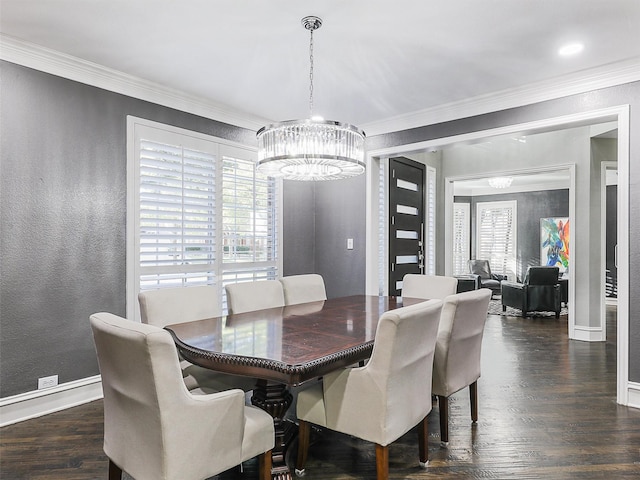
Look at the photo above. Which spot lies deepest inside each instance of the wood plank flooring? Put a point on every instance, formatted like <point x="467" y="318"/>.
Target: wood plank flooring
<point x="546" y="410"/>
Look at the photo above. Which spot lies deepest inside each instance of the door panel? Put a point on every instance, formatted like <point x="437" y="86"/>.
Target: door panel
<point x="406" y="220"/>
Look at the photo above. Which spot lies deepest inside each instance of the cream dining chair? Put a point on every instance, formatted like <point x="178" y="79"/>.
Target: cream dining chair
<point x="428" y="286"/>
<point x="250" y="296"/>
<point x="185" y="304"/>
<point x="154" y="428"/>
<point x="384" y="399"/>
<point x="303" y="288"/>
<point x="456" y="363"/>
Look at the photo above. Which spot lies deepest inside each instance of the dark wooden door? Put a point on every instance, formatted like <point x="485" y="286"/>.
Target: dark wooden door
<point x="406" y="220"/>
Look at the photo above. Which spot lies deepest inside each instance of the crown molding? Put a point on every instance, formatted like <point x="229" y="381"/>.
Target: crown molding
<point x="608" y="76"/>
<point x="66" y="66"/>
<point x="56" y="63"/>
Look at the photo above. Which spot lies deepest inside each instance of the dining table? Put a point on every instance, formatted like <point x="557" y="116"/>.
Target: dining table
<point x="285" y="347"/>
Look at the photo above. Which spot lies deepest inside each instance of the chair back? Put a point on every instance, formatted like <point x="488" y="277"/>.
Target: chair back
<point x="250" y="296"/>
<point x="458" y="348"/>
<point x="140" y="377"/>
<point x="541" y="276"/>
<point x="428" y="286"/>
<point x="395" y="390"/>
<point x="303" y="288"/>
<point x="168" y="306"/>
<point x="480" y="267"/>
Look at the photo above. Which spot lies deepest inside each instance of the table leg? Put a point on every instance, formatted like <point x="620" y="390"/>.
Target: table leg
<point x="275" y="399"/>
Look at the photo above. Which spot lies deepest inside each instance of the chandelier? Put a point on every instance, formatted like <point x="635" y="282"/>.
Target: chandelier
<point x="311" y="149"/>
<point x="500" y="182"/>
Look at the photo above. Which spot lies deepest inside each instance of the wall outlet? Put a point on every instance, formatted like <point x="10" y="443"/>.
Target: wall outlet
<point x="47" y="382"/>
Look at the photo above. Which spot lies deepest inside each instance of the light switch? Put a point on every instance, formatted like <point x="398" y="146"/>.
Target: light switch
<point x="349" y="243"/>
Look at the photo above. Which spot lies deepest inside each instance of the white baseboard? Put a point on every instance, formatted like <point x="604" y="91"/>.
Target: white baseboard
<point x="588" y="334"/>
<point x="41" y="402"/>
<point x="633" y="393"/>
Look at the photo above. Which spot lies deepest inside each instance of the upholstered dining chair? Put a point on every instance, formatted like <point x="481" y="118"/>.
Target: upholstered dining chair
<point x="154" y="428"/>
<point x="428" y="286"/>
<point x="456" y="363"/>
<point x="382" y="400"/>
<point x="250" y="296"/>
<point x="185" y="304"/>
<point x="303" y="288"/>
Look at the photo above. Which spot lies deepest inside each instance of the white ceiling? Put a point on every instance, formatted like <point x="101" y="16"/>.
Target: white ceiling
<point x="374" y="60"/>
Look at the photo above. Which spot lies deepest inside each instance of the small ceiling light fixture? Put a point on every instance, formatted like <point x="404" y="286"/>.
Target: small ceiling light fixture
<point x="570" y="49"/>
<point x="500" y="182"/>
<point x="311" y="149"/>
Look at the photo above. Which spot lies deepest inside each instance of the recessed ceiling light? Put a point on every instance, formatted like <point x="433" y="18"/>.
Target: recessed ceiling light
<point x="570" y="49"/>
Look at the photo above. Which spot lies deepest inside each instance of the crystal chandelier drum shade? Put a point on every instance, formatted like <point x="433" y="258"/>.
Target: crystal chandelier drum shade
<point x="311" y="150"/>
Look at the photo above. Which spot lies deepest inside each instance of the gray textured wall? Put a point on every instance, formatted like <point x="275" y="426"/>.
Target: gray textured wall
<point x="62" y="217"/>
<point x="532" y="206"/>
<point x="62" y="213"/>
<point x="340" y="214"/>
<point x="627" y="94"/>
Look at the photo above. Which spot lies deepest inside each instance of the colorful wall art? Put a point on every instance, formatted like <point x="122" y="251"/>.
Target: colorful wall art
<point x="554" y="242"/>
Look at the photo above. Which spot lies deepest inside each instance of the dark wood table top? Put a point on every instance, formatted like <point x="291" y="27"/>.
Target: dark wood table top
<point x="290" y="344"/>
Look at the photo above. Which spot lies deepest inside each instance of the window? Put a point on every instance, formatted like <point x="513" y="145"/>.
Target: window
<point x="496" y="236"/>
<point x="430" y="222"/>
<point x="461" y="238"/>
<point x="198" y="213"/>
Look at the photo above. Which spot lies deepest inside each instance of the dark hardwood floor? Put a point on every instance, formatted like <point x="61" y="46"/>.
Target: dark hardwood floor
<point x="546" y="410"/>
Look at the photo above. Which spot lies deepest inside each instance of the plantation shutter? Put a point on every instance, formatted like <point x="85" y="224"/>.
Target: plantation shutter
<point x="461" y="238"/>
<point x="496" y="235"/>
<point x="197" y="213"/>
<point x="177" y="215"/>
<point x="249" y="222"/>
<point x="430" y="222"/>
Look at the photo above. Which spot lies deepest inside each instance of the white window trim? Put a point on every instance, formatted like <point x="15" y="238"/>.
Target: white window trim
<point x="134" y="125"/>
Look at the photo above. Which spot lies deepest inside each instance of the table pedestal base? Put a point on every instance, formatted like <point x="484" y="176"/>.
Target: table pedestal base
<point x="275" y="399"/>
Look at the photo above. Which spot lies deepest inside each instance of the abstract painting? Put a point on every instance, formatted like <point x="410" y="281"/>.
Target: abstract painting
<point x="554" y="242"/>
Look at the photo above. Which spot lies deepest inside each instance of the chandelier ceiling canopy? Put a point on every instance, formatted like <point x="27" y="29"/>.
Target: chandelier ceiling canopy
<point x="500" y="182"/>
<point x="311" y="149"/>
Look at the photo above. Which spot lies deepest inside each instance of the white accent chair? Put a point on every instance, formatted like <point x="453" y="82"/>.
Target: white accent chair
<point x="428" y="286"/>
<point x="250" y="296"/>
<point x="154" y="428"/>
<point x="458" y="350"/>
<point x="387" y="397"/>
<point x="303" y="288"/>
<point x="185" y="304"/>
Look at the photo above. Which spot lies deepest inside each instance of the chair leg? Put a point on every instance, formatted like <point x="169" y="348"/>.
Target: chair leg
<point x="423" y="442"/>
<point x="473" y="397"/>
<point x="443" y="403"/>
<point x="382" y="462"/>
<point x="264" y="463"/>
<point x="115" y="472"/>
<point x="304" y="430"/>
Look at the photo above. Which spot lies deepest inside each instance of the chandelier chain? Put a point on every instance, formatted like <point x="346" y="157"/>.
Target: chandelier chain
<point x="311" y="73"/>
